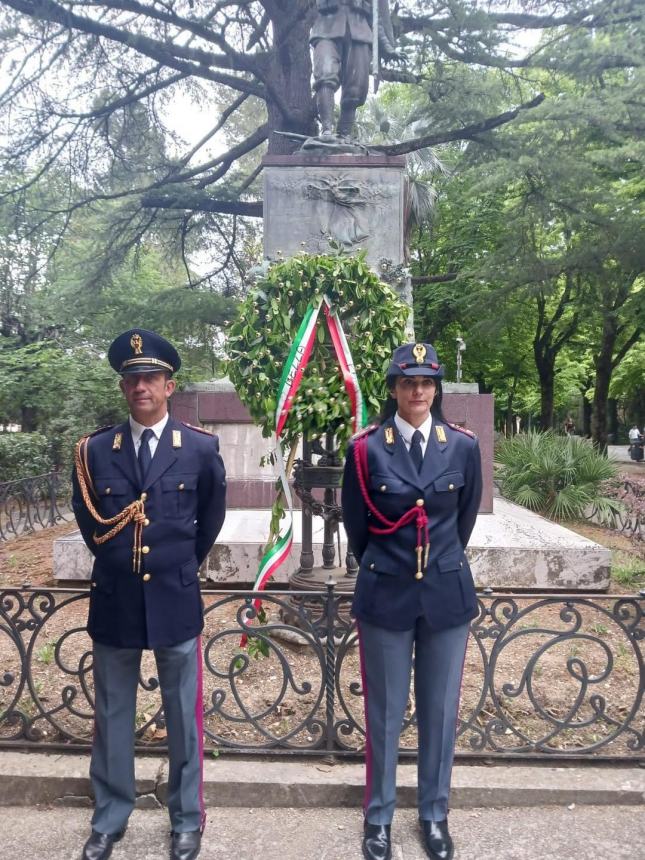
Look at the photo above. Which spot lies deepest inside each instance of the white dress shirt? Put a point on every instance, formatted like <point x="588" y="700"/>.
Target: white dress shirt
<point x="406" y="430"/>
<point x="137" y="429"/>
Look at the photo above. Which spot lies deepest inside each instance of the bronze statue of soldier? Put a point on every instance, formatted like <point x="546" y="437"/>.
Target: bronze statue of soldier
<point x="343" y="43"/>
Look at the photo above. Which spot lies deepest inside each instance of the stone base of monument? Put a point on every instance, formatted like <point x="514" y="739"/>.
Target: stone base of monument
<point x="511" y="548"/>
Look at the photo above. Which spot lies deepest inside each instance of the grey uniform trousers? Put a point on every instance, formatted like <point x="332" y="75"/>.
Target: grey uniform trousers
<point x="386" y="664"/>
<point x="116" y="677"/>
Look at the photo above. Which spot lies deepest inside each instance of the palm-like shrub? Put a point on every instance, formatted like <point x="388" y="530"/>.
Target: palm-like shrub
<point x="558" y="476"/>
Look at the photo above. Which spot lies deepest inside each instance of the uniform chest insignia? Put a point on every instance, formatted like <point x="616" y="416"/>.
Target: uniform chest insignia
<point x="441" y="434"/>
<point x="389" y="436"/>
<point x="176" y="438"/>
<point x="118" y="439"/>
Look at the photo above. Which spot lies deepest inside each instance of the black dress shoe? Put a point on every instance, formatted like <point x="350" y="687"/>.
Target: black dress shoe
<point x="376" y="842"/>
<point x="99" y="845"/>
<point x="437" y="840"/>
<point x="185" y="846"/>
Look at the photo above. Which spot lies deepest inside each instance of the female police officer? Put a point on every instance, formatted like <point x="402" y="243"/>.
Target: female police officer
<point x="411" y="492"/>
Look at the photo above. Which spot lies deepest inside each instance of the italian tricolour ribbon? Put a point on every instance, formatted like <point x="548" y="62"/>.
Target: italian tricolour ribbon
<point x="292" y="373"/>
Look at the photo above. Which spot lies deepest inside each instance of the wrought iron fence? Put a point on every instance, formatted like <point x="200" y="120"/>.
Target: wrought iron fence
<point x="33" y="503"/>
<point x="546" y="676"/>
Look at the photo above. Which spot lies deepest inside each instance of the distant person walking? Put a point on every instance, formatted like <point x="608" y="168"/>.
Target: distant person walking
<point x="636" y="440"/>
<point x="149" y="499"/>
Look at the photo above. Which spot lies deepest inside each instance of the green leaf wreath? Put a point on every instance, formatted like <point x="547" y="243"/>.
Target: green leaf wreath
<point x="372" y="316"/>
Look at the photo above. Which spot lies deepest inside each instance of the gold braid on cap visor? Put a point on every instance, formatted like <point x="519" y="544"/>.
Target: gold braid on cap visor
<point x="134" y="512"/>
<point x="155" y="361"/>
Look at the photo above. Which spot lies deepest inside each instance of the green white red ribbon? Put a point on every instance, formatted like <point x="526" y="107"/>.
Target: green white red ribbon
<point x="292" y="373"/>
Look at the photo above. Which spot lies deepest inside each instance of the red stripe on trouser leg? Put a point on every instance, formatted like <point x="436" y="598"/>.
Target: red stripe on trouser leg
<point x="368" y="742"/>
<point x="199" y="722"/>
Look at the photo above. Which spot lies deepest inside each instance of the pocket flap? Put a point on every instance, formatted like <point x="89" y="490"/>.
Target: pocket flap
<point x="371" y="561"/>
<point x="451" y="561"/>
<point x="111" y="486"/>
<point x="102" y="580"/>
<point x="178" y="483"/>
<point x="189" y="572"/>
<point x="449" y="482"/>
<point x="386" y="484"/>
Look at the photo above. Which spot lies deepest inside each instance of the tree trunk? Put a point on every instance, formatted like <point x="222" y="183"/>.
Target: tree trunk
<point x="29" y="421"/>
<point x="612" y="421"/>
<point x="545" y="364"/>
<point x="289" y="77"/>
<point x="603" y="366"/>
<point x="586" y="416"/>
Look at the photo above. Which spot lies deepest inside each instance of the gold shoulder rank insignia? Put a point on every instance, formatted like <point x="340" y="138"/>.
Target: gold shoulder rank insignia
<point x="441" y="433"/>
<point x="118" y="439"/>
<point x="462" y="430"/>
<point x="176" y="438"/>
<point x="197" y="429"/>
<point x="369" y="429"/>
<point x="389" y="436"/>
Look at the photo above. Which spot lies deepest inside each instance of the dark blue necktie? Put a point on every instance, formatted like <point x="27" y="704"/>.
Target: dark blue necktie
<point x="144" y="455"/>
<point x="415" y="449"/>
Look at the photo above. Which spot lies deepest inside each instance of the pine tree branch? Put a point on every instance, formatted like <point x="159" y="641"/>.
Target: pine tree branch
<point x="468" y="132"/>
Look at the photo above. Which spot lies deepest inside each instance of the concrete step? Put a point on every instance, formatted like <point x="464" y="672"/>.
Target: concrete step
<point x="34" y="777"/>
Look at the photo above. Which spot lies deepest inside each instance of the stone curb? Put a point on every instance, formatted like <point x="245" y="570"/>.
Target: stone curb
<point x="31" y="778"/>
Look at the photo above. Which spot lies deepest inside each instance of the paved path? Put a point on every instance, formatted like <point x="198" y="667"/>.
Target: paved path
<point x="238" y="833"/>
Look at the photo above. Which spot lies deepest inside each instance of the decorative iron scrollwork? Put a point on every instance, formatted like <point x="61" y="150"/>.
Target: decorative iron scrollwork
<point x="545" y="676"/>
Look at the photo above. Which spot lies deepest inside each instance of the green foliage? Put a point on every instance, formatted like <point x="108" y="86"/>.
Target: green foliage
<point x="558" y="476"/>
<point x="628" y="569"/>
<point x="260" y="339"/>
<point x="22" y="455"/>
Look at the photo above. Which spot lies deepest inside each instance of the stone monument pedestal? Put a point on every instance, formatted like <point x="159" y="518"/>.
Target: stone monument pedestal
<point x="356" y="201"/>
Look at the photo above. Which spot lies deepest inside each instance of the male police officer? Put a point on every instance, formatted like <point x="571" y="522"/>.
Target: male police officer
<point x="149" y="498"/>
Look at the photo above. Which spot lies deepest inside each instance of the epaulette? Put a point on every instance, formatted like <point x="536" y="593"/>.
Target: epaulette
<point x="97" y="432"/>
<point x="369" y="429"/>
<point x="461" y="430"/>
<point x="197" y="429"/>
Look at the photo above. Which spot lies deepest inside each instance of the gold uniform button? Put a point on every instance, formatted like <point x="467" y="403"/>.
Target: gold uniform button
<point x="145" y="550"/>
<point x="93" y="585"/>
<point x="108" y="490"/>
<point x="420" y="503"/>
<point x="383" y="488"/>
<point x="372" y="566"/>
<point x="144" y="496"/>
<point x="146" y="522"/>
<point x="146" y="577"/>
<point x="451" y="486"/>
<point x="181" y="487"/>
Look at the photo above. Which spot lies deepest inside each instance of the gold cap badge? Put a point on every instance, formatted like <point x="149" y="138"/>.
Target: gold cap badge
<point x="419" y="352"/>
<point x="136" y="342"/>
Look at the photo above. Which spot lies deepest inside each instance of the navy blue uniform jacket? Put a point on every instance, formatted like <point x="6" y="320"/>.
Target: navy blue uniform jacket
<point x="185" y="507"/>
<point x="450" y="484"/>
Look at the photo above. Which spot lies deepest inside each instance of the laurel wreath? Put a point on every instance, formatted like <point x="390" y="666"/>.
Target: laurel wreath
<point x="373" y="318"/>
